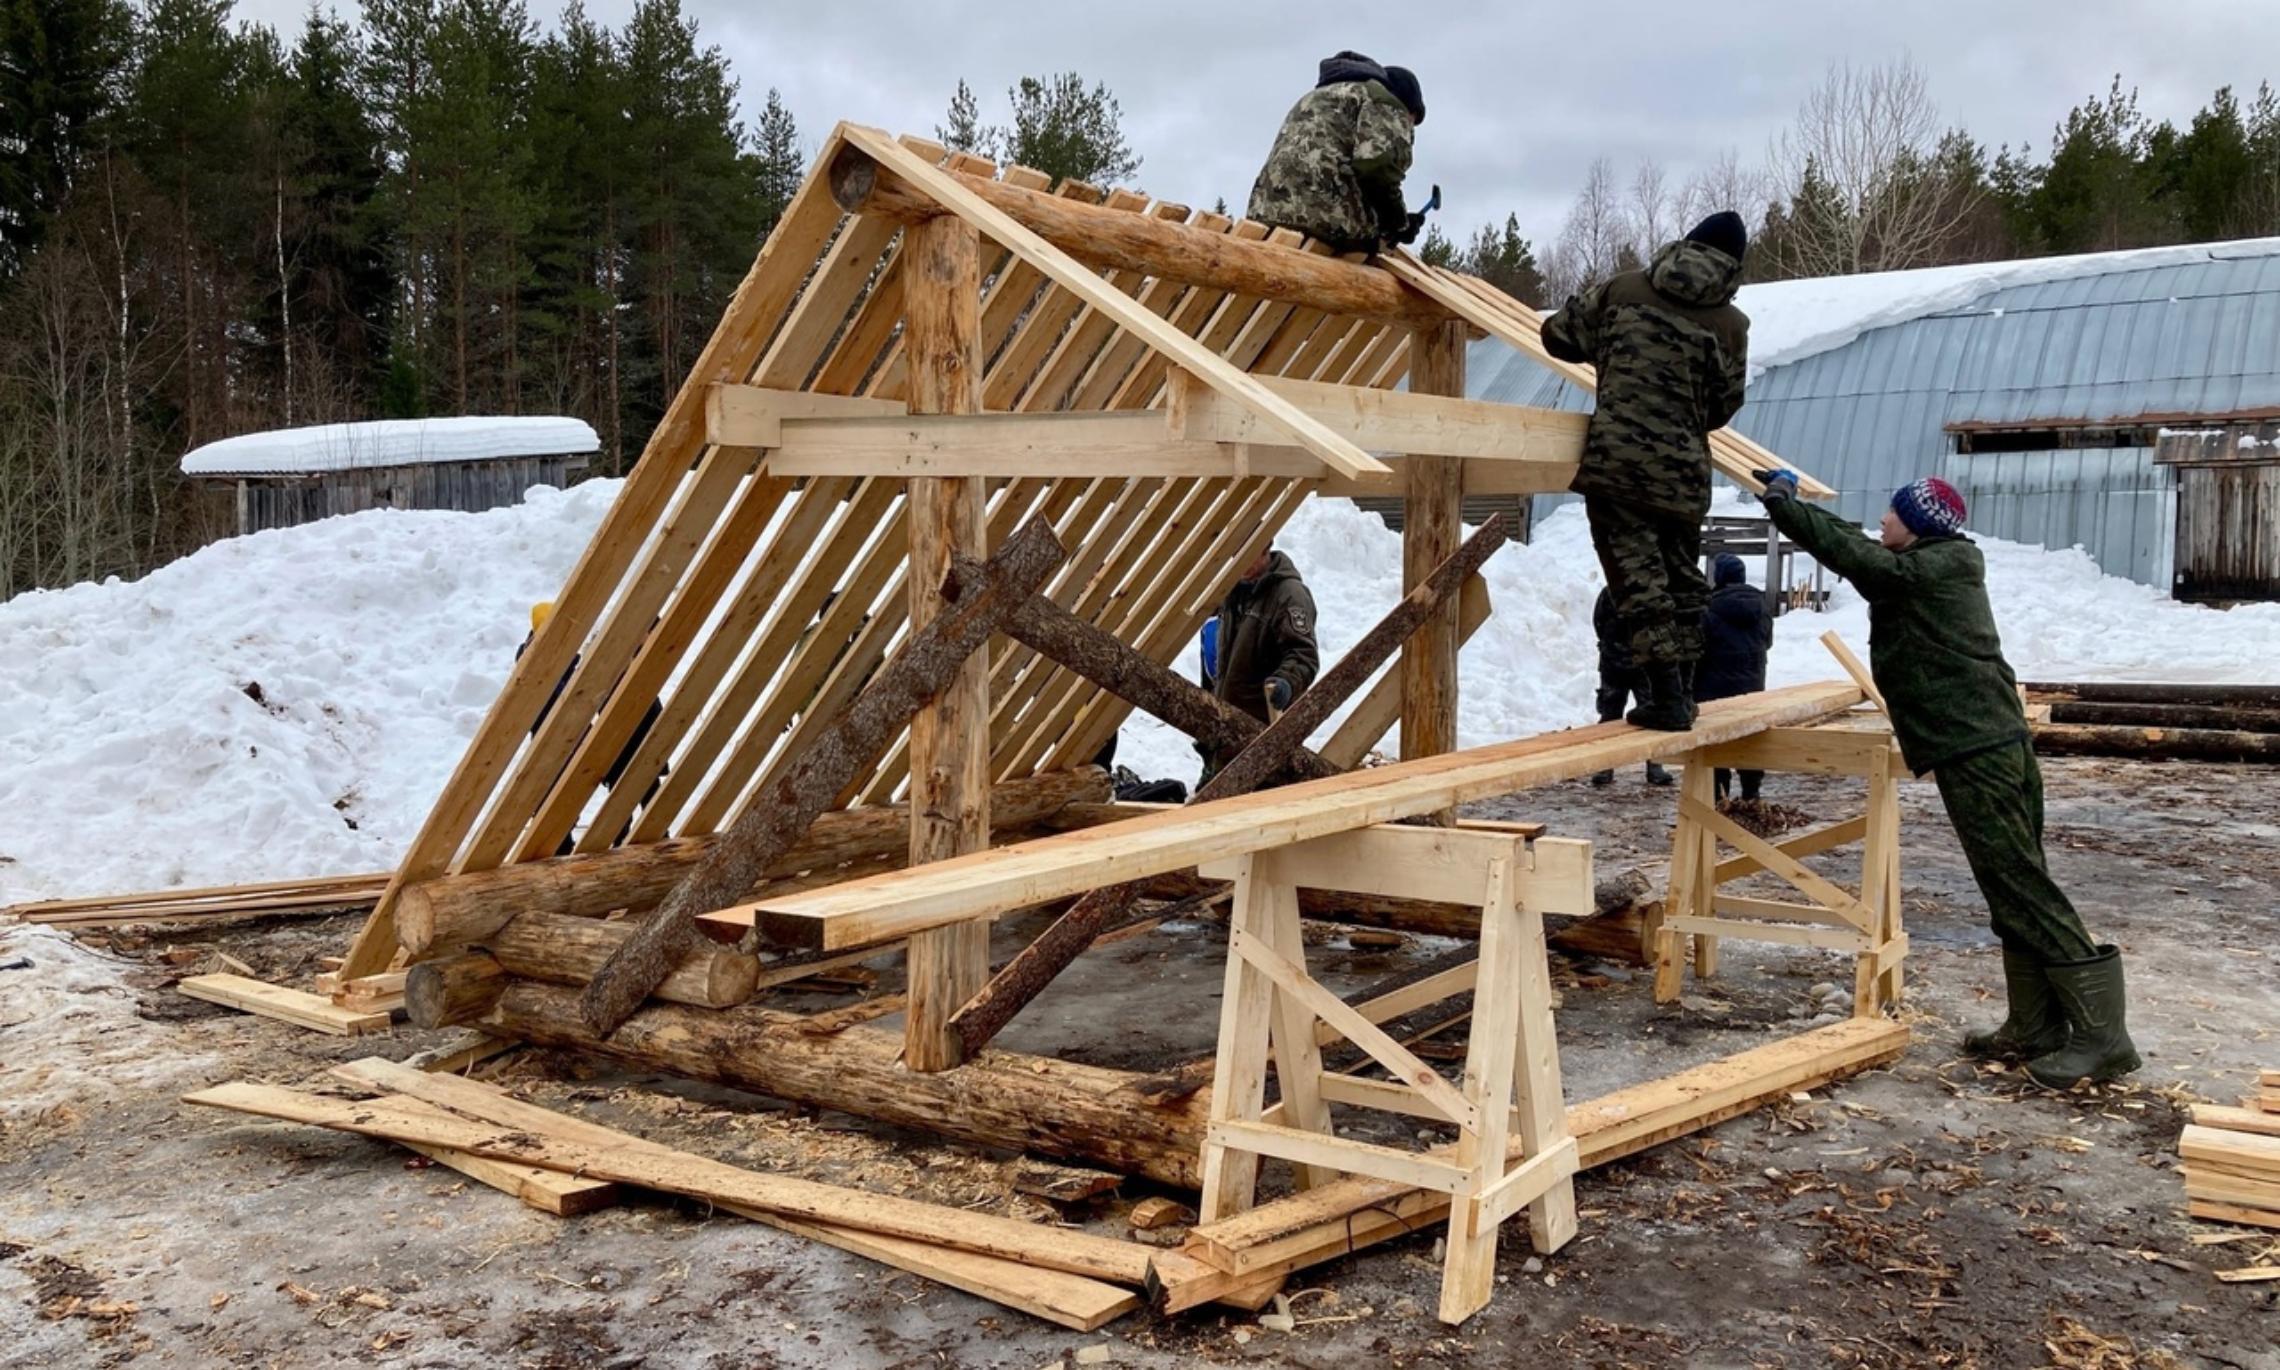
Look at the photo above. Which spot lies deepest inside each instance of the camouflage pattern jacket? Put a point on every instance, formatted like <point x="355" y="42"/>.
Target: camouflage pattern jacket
<point x="1932" y="644"/>
<point x="1672" y="353"/>
<point x="1336" y="170"/>
<point x="1266" y="628"/>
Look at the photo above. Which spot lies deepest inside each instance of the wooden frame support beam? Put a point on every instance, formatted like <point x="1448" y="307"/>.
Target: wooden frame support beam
<point x="1432" y="522"/>
<point x="1138" y="243"/>
<point x="950" y="733"/>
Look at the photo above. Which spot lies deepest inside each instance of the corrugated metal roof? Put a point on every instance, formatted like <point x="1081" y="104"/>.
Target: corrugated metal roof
<point x="2198" y="337"/>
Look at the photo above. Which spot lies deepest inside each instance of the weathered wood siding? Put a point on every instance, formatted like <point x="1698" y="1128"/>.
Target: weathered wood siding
<point x="469" y="486"/>
<point x="2228" y="510"/>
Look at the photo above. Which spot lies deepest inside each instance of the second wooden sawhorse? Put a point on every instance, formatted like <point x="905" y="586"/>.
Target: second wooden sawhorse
<point x="1271" y="1008"/>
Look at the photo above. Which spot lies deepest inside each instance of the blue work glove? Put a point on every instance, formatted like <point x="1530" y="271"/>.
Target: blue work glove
<point x="1780" y="484"/>
<point x="1278" y="693"/>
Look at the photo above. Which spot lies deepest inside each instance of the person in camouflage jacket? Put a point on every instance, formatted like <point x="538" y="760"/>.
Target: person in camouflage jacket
<point x="1336" y="169"/>
<point x="1954" y="705"/>
<point x="1672" y="354"/>
<point x="1267" y="654"/>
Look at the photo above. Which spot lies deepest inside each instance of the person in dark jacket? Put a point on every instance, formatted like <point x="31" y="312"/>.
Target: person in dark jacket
<point x="1618" y="680"/>
<point x="1955" y="709"/>
<point x="1737" y="632"/>
<point x="1672" y="354"/>
<point x="1336" y="168"/>
<point x="1266" y="650"/>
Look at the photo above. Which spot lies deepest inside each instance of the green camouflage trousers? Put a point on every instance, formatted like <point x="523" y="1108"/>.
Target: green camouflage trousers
<point x="1653" y="563"/>
<point x="1995" y="800"/>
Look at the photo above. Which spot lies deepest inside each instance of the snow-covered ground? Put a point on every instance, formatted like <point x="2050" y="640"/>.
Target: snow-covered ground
<point x="134" y="756"/>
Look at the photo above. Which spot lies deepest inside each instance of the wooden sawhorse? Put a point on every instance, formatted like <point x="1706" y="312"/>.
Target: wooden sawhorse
<point x="1512" y="1070"/>
<point x="1866" y="924"/>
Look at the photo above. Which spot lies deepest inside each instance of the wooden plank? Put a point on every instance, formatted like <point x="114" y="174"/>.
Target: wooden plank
<point x="2248" y="1120"/>
<point x="881" y="907"/>
<point x="1072" y="1301"/>
<point x="1804" y="751"/>
<point x="1296" y="1050"/>
<point x="1780" y="911"/>
<point x="1008" y="446"/>
<point x="298" y="1007"/>
<point x="1853" y="667"/>
<point x="1491" y="1061"/>
<point x="1809" y="882"/>
<point x="1828" y="939"/>
<point x="1239" y="1075"/>
<point x="1433" y="422"/>
<point x="696" y="1177"/>
<point x="548" y="1191"/>
<point x="1448" y="866"/>
<point x="1521" y="328"/>
<point x="1083" y="282"/>
<point x="753" y="416"/>
<point x="1528" y="1181"/>
<point x="2215" y="1211"/>
<point x="1342" y="1154"/>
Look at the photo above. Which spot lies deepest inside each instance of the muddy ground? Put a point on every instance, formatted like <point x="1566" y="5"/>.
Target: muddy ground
<point x="1927" y="1214"/>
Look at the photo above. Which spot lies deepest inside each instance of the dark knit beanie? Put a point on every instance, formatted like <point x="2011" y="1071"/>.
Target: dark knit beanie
<point x="1727" y="570"/>
<point x="1930" y="507"/>
<point x="1403" y="83"/>
<point x="1725" y="231"/>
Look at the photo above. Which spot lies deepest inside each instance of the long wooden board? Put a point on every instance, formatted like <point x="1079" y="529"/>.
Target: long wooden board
<point x="295" y="1006"/>
<point x="985" y="884"/>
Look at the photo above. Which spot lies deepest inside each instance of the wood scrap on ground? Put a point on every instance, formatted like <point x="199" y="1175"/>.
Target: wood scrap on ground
<point x="313" y="1011"/>
<point x="211" y="904"/>
<point x="2232" y="1161"/>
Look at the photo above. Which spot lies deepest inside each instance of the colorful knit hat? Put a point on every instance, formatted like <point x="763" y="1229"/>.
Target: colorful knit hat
<point x="1930" y="507"/>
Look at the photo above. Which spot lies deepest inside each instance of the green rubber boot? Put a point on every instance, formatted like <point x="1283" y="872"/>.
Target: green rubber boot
<point x="2098" y="1047"/>
<point x="2034" y="1027"/>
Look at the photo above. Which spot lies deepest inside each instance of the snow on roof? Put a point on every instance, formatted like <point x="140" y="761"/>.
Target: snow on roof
<point x="1792" y="320"/>
<point x="389" y="442"/>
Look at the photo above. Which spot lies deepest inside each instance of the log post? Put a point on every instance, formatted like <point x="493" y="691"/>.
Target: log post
<point x="927" y="660"/>
<point x="1432" y="522"/>
<point x="567" y="950"/>
<point x="950" y="735"/>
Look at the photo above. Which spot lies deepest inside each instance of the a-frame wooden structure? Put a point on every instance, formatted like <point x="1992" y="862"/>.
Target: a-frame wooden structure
<point x="926" y="356"/>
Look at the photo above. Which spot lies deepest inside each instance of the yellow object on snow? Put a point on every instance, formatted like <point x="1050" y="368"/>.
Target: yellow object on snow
<point x="539" y="613"/>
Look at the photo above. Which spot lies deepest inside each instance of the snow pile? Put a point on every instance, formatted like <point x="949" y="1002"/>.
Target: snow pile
<point x="70" y="1029"/>
<point x="1791" y="320"/>
<point x="135" y="753"/>
<point x="390" y="442"/>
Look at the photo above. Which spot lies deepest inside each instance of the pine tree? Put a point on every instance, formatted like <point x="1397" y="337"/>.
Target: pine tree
<point x="964" y="131"/>
<point x="1068" y="132"/>
<point x="781" y="167"/>
<point x="2206" y="176"/>
<point x="584" y="168"/>
<point x="1435" y="249"/>
<point x="1504" y="259"/>
<point x="61" y="63"/>
<point x="2095" y="191"/>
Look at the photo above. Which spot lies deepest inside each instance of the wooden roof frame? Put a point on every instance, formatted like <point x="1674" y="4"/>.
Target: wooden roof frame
<point x="751" y="573"/>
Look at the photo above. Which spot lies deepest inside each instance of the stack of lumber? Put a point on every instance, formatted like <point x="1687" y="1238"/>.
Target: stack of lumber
<point x="214" y="904"/>
<point x="312" y="1011"/>
<point x="566" y="1165"/>
<point x="2228" y="723"/>
<point x="2232" y="1158"/>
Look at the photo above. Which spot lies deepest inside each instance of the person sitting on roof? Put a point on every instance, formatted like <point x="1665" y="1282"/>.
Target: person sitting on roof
<point x="1338" y="161"/>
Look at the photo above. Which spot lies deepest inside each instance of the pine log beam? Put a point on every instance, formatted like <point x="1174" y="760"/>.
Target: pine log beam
<point x="2224" y="717"/>
<point x="1047" y="1107"/>
<point x="2146" y="692"/>
<point x="1145" y="244"/>
<point x="1102" y="658"/>
<point x="1432" y="523"/>
<point x="950" y="733"/>
<point x="1042" y="961"/>
<point x="453" y="989"/>
<point x="565" y="949"/>
<point x="2157" y="744"/>
<point x="459" y="909"/>
<point x="926" y="662"/>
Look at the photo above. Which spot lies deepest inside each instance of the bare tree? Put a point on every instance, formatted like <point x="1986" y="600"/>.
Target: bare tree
<point x="1724" y="184"/>
<point x="1596" y="239"/>
<point x="1858" y="173"/>
<point x="1654" y="214"/>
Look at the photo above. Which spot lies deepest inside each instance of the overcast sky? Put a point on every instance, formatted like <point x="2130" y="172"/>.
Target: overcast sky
<point x="1520" y="96"/>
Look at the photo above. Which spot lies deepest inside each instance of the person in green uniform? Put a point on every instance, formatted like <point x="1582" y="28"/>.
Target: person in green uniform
<point x="1955" y="709"/>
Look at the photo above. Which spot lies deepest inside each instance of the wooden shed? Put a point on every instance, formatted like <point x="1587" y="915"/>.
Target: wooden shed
<point x="2228" y="510"/>
<point x="290" y="476"/>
